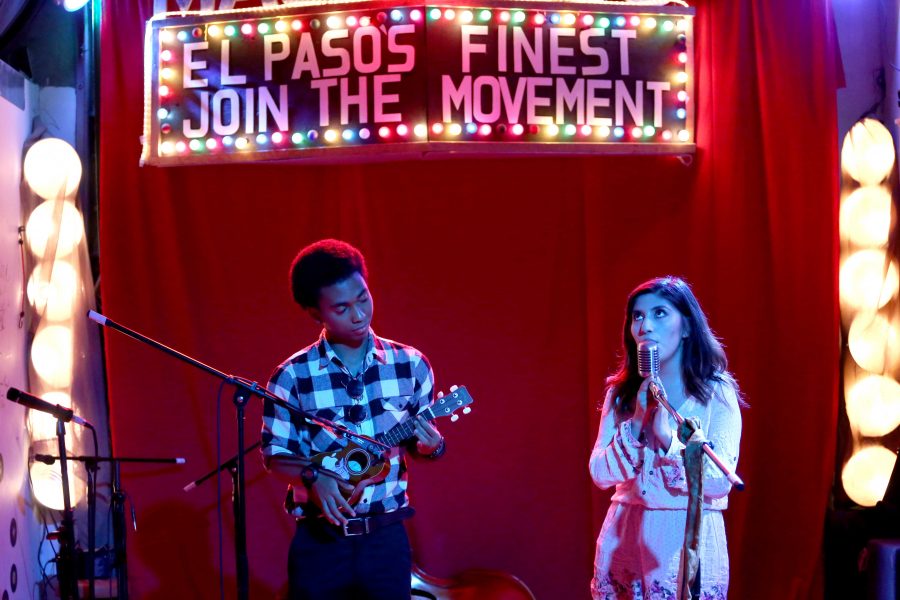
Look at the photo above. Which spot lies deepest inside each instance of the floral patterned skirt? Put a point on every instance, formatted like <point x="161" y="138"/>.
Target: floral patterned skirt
<point x="639" y="552"/>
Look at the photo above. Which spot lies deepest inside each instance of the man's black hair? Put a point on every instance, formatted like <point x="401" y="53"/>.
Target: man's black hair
<point x="321" y="264"/>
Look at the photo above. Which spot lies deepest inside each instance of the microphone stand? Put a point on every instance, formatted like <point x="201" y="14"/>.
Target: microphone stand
<point x="232" y="465"/>
<point x="117" y="507"/>
<point x="65" y="534"/>
<point x="660" y="395"/>
<point x="648" y="366"/>
<point x="244" y="389"/>
<point x="65" y="563"/>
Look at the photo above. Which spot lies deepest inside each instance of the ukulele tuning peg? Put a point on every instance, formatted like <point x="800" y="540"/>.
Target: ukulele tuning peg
<point x="454" y="418"/>
<point x="467" y="410"/>
<point x="453" y="388"/>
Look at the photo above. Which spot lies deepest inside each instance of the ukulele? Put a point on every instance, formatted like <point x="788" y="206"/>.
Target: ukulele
<point x="353" y="463"/>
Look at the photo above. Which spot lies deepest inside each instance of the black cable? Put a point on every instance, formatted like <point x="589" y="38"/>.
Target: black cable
<point x="47" y="579"/>
<point x="91" y="469"/>
<point x="219" y="488"/>
<point x="46" y="537"/>
<point x="24" y="276"/>
<point x="41" y="565"/>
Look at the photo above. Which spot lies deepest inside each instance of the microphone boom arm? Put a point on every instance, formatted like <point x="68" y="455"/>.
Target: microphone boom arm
<point x="659" y="394"/>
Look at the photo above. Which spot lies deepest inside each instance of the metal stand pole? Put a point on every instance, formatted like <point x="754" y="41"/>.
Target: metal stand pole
<point x="65" y="564"/>
<point x="241" y="397"/>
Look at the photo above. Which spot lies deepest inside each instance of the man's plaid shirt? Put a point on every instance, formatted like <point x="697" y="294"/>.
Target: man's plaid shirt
<point x="398" y="384"/>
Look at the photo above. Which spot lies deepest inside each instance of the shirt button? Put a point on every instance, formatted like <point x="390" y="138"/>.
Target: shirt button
<point x="651" y="471"/>
<point x="644" y="493"/>
<point x="366" y="500"/>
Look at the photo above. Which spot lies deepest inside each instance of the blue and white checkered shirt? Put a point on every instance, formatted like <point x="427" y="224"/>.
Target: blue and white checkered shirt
<point x="398" y="384"/>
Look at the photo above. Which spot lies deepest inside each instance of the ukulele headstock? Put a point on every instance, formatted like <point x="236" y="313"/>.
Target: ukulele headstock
<point x="448" y="404"/>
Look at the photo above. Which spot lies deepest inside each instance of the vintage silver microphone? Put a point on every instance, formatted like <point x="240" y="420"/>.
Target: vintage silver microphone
<point x="648" y="359"/>
<point x="648" y="366"/>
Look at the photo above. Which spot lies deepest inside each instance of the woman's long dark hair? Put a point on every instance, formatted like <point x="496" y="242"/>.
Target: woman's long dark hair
<point x="703" y="360"/>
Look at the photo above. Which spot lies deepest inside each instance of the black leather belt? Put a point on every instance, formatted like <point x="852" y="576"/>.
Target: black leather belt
<point x="364" y="525"/>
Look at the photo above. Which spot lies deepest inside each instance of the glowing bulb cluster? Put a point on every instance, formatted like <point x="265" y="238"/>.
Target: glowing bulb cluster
<point x="53" y="233"/>
<point x="869" y="281"/>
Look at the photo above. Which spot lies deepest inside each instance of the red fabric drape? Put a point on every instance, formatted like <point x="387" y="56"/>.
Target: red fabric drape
<point x="511" y="275"/>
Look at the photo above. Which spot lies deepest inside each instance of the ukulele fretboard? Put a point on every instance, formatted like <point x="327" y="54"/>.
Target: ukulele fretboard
<point x="402" y="431"/>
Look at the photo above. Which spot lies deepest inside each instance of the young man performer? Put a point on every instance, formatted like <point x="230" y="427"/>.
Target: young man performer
<point x="350" y="541"/>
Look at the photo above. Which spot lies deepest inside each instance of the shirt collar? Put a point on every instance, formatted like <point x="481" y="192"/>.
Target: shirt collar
<point x="375" y="349"/>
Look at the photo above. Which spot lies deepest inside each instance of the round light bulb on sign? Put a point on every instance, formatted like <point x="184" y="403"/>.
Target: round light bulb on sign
<point x="866" y="216"/>
<point x="866" y="474"/>
<point x="873" y="405"/>
<point x="52" y="168"/>
<point x="43" y="425"/>
<point x="874" y="343"/>
<point x="868" y="280"/>
<point x="53" y="292"/>
<point x="867" y="154"/>
<point x="46" y="480"/>
<point x="73" y="5"/>
<point x="54" y="219"/>
<point x="52" y="355"/>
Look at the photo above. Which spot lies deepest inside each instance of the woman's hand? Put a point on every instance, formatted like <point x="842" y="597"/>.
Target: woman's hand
<point x="651" y="418"/>
<point x="642" y="401"/>
<point x="660" y="426"/>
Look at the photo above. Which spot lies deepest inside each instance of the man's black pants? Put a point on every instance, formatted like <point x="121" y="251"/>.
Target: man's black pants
<point x="325" y="565"/>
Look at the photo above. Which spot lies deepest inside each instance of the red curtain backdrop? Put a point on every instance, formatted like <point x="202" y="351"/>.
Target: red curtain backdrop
<point x="511" y="275"/>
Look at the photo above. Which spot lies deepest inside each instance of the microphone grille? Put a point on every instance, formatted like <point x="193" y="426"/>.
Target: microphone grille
<point x="648" y="359"/>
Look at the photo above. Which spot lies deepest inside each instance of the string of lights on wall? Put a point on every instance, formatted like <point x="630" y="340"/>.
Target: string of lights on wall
<point x="54" y="233"/>
<point x="869" y="283"/>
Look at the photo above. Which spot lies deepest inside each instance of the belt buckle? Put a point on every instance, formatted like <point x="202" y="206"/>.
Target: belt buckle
<point x="348" y="533"/>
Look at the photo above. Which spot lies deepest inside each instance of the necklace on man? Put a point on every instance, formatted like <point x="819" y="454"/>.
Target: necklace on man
<point x="355" y="388"/>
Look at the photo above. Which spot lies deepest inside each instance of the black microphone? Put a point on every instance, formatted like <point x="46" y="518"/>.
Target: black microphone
<point x="648" y="359"/>
<point x="35" y="403"/>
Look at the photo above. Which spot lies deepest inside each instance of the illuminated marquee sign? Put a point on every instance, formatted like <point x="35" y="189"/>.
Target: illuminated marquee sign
<point x="300" y="82"/>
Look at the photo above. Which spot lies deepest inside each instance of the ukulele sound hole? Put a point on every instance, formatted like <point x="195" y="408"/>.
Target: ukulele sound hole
<point x="358" y="462"/>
